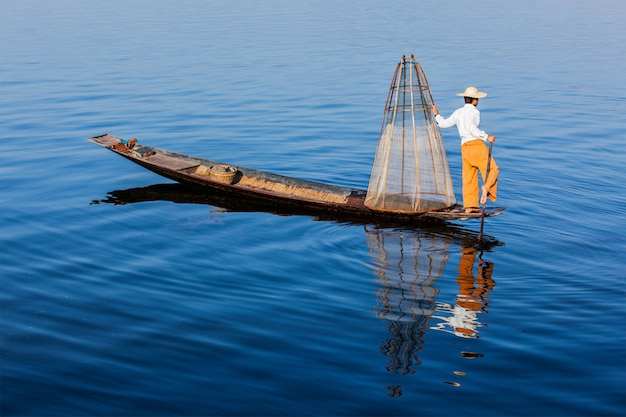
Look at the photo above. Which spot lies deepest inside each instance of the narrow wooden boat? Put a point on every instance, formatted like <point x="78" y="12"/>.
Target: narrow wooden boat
<point x="246" y="183"/>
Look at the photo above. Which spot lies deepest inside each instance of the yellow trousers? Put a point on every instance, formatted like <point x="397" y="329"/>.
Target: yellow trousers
<point x="475" y="155"/>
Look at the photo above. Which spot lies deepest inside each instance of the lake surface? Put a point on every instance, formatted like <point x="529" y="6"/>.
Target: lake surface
<point x="123" y="294"/>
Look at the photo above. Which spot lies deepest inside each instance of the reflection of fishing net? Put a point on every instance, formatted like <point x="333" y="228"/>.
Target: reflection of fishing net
<point x="410" y="172"/>
<point x="407" y="266"/>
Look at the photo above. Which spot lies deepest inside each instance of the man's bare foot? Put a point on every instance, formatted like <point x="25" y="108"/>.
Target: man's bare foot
<point x="472" y="210"/>
<point x="483" y="196"/>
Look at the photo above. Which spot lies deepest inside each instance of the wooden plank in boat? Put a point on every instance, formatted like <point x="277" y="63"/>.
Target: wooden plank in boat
<point x="170" y="162"/>
<point x="105" y="140"/>
<point x="292" y="190"/>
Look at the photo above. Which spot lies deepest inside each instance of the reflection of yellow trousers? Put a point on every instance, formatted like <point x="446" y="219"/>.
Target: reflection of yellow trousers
<point x="475" y="155"/>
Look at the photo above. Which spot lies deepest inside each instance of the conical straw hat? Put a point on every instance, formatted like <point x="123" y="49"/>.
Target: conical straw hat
<point x="472" y="92"/>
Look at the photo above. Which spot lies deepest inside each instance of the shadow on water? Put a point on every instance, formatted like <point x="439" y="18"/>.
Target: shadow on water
<point x="408" y="264"/>
<point x="190" y="194"/>
<point x="408" y="260"/>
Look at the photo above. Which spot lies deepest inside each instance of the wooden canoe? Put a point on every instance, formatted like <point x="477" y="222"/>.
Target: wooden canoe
<point x="278" y="190"/>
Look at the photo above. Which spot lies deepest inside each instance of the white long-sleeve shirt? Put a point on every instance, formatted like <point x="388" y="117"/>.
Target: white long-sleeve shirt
<point x="466" y="119"/>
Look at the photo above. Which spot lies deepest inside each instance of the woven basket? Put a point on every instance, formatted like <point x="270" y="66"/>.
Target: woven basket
<point x="202" y="170"/>
<point x="223" y="173"/>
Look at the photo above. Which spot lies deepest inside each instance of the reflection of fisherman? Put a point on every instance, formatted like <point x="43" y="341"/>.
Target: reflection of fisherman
<point x="473" y="295"/>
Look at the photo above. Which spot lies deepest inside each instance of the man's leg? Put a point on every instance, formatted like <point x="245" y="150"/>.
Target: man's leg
<point x="470" y="178"/>
<point x="490" y="187"/>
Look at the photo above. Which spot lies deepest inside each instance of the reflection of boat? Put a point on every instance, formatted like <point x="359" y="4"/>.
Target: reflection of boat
<point x="410" y="177"/>
<point x="225" y="201"/>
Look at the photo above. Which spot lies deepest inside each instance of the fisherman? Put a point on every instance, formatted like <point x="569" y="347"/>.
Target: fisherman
<point x="474" y="153"/>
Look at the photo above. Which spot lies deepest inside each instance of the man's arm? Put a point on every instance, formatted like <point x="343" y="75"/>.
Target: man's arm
<point x="442" y="121"/>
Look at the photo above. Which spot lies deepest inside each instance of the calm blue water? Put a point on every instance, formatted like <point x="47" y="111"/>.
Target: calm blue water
<point x="174" y="304"/>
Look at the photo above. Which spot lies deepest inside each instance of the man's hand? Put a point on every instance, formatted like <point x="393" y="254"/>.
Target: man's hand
<point x="491" y="138"/>
<point x="435" y="110"/>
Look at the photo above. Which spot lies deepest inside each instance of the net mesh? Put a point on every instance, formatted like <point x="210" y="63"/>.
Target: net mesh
<point x="410" y="172"/>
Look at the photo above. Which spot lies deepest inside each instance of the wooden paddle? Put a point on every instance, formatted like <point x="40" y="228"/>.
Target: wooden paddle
<point x="484" y="208"/>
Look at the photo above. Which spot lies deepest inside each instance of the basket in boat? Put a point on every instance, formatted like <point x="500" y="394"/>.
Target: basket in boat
<point x="223" y="173"/>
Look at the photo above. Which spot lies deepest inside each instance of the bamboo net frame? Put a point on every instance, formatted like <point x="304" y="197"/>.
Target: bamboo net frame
<point x="410" y="172"/>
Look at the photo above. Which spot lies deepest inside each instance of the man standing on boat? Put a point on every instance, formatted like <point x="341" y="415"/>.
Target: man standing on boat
<point x="474" y="153"/>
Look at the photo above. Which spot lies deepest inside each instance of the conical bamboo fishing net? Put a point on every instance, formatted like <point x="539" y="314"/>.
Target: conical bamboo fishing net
<point x="410" y="172"/>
